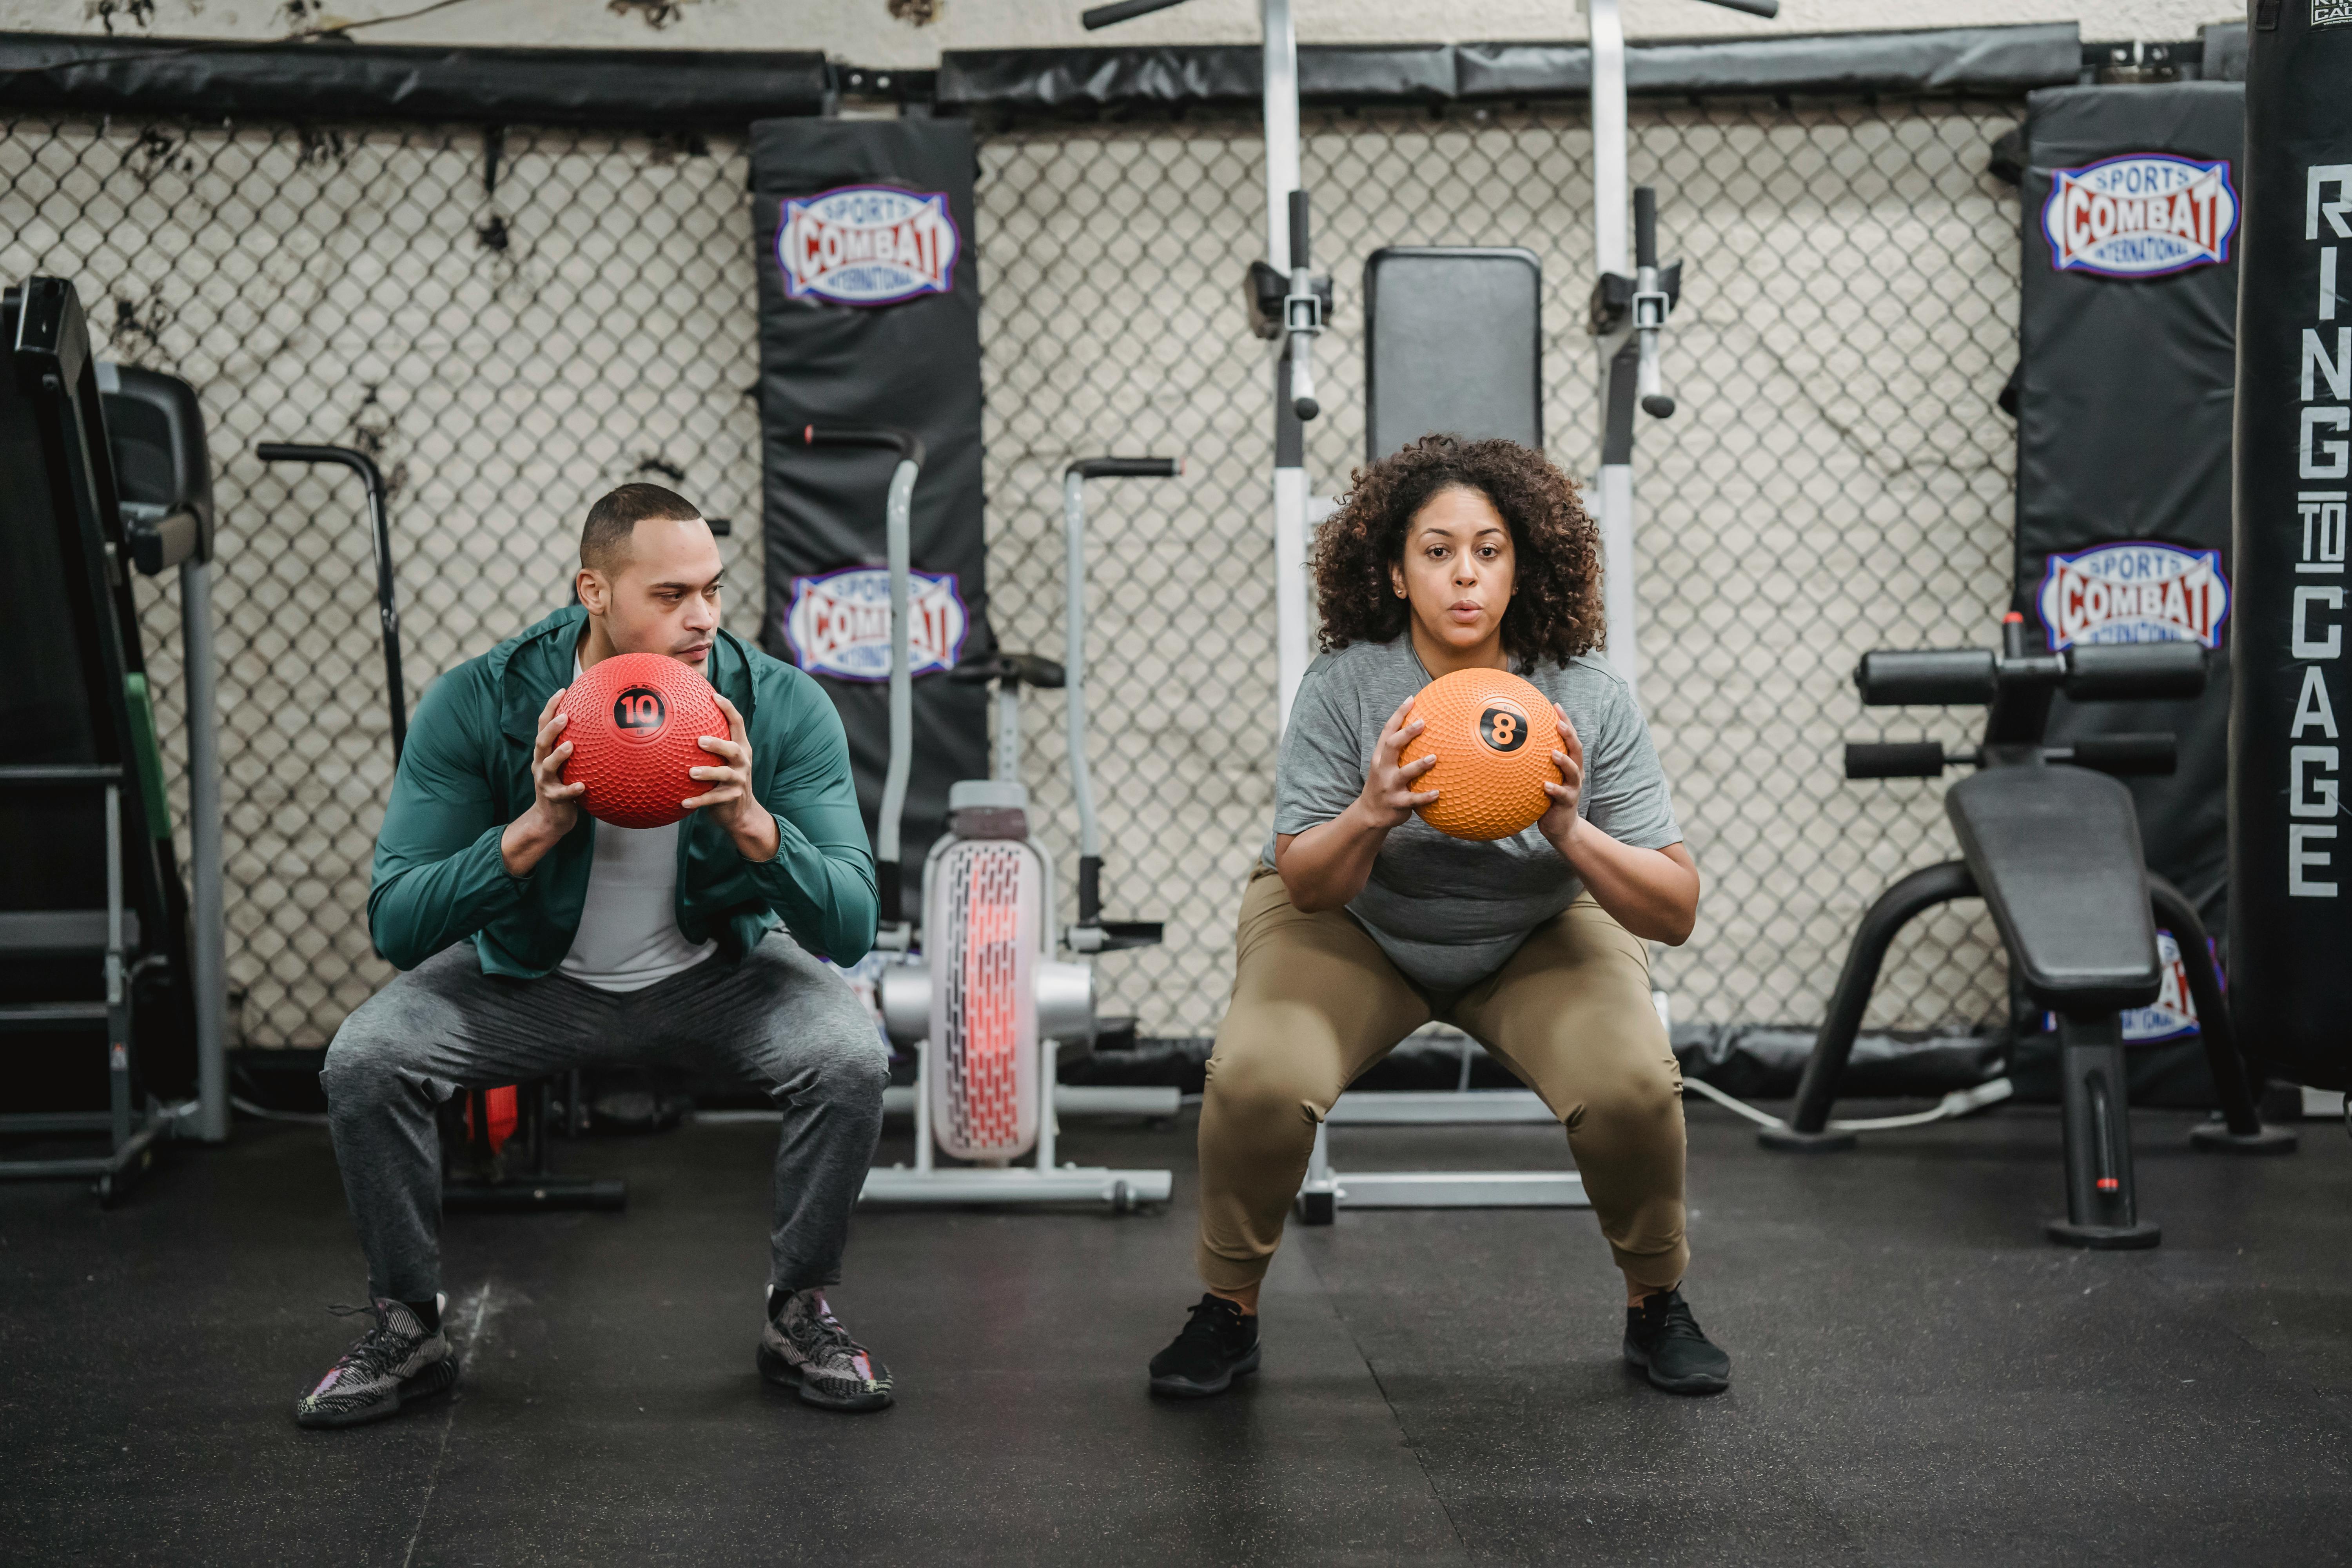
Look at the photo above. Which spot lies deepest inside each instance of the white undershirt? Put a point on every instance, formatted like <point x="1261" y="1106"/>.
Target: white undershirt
<point x="628" y="936"/>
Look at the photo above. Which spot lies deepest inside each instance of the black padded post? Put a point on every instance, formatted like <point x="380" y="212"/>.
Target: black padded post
<point x="2102" y="1204"/>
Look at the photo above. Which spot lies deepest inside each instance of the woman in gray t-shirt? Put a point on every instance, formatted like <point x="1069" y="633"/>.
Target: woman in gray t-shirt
<point x="1362" y="922"/>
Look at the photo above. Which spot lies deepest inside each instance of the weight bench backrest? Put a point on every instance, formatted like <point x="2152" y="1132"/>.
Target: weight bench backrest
<point x="2055" y="851"/>
<point x="1454" y="344"/>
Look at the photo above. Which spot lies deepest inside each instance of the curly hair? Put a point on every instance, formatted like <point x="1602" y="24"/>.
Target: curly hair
<point x="1555" y="609"/>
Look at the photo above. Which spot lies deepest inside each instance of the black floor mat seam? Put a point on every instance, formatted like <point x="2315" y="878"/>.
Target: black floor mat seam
<point x="1420" y="1458"/>
<point x="448" y="1425"/>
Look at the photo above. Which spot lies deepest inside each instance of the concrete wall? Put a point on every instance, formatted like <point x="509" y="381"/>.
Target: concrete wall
<point x="911" y="33"/>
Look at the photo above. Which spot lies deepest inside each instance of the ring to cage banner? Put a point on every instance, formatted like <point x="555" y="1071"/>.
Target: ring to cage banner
<point x="2289" y="849"/>
<point x="869" y="314"/>
<point x="2127" y="330"/>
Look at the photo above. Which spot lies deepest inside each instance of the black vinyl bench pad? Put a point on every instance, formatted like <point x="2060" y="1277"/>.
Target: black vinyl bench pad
<point x="2056" y="852"/>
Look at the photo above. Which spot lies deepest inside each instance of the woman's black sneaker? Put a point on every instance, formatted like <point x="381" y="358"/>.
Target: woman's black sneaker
<point x="1217" y="1346"/>
<point x="1665" y="1341"/>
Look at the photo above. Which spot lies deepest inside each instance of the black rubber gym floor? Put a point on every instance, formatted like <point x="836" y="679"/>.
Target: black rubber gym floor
<point x="1918" y="1376"/>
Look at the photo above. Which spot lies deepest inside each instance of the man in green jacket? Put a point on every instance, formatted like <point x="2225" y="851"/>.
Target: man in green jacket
<point x="534" y="939"/>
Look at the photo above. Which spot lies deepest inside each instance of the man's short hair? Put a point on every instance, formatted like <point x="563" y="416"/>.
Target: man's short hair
<point x="612" y="522"/>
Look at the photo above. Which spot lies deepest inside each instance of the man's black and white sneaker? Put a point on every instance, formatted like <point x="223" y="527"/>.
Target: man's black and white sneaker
<point x="1665" y="1341"/>
<point x="395" y="1363"/>
<point x="805" y="1347"/>
<point x="1218" y="1345"/>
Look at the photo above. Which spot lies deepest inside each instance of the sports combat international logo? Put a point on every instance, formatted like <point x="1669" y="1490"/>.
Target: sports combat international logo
<point x="2134" y="592"/>
<point x="2141" y="215"/>
<point x="867" y="245"/>
<point x="839" y="623"/>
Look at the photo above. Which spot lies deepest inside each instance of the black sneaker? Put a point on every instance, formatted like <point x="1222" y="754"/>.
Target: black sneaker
<point x="1217" y="1346"/>
<point x="1665" y="1341"/>
<point x="395" y="1363"/>
<point x="805" y="1347"/>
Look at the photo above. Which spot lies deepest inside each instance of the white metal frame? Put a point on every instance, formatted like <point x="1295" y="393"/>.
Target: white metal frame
<point x="927" y="1181"/>
<point x="1290" y="499"/>
<point x="1615" y="497"/>
<point x="1325" y="1188"/>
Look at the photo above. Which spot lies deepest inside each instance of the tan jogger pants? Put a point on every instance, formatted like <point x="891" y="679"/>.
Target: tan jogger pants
<point x="1315" y="1002"/>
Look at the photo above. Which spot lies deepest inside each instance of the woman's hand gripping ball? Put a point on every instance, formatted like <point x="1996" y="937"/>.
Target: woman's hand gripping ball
<point x="730" y="799"/>
<point x="1560" y="821"/>
<point x="1389" y="798"/>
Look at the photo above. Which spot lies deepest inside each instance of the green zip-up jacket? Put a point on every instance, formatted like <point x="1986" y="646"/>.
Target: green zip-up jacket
<point x="439" y="879"/>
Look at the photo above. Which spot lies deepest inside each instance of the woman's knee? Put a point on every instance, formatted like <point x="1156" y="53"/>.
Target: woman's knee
<point x="1645" y="1099"/>
<point x="1255" y="1082"/>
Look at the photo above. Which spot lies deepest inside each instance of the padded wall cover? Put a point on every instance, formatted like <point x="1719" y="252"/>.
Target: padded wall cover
<point x="876" y="323"/>
<point x="2127" y="328"/>
<point x="2290" y="851"/>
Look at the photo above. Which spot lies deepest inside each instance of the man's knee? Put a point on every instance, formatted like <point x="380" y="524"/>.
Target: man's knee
<point x="373" y="1056"/>
<point x="841" y="1061"/>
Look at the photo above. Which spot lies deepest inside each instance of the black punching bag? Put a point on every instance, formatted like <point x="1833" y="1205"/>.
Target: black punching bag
<point x="2290" y="842"/>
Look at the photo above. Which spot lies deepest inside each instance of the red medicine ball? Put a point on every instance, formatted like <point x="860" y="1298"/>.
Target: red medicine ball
<point x="638" y="722"/>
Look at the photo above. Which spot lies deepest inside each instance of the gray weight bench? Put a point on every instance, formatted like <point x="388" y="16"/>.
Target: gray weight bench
<point x="2051" y="844"/>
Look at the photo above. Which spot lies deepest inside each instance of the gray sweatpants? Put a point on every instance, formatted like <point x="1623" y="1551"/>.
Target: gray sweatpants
<point x="778" y="1019"/>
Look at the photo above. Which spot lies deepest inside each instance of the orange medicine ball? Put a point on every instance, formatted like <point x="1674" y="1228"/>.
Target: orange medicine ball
<point x="1493" y="735"/>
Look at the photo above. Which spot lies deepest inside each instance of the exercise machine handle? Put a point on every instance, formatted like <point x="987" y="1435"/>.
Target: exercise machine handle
<point x="387" y="602"/>
<point x="1020" y="668"/>
<point x="1890" y="677"/>
<point x="1302" y="314"/>
<point x="2097" y="672"/>
<point x="1126" y="468"/>
<point x="1074" y="662"/>
<point x="886" y="437"/>
<point x="1121" y="11"/>
<point x="1651" y="301"/>
<point x="2142" y="671"/>
<point x="359" y="462"/>
<point x="898" y="529"/>
<point x="2126" y="755"/>
<point x="1894" y="759"/>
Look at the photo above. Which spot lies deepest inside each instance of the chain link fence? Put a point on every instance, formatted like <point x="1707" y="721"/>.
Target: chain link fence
<point x="1839" y="479"/>
<point x="513" y="323"/>
<point x="510" y="326"/>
